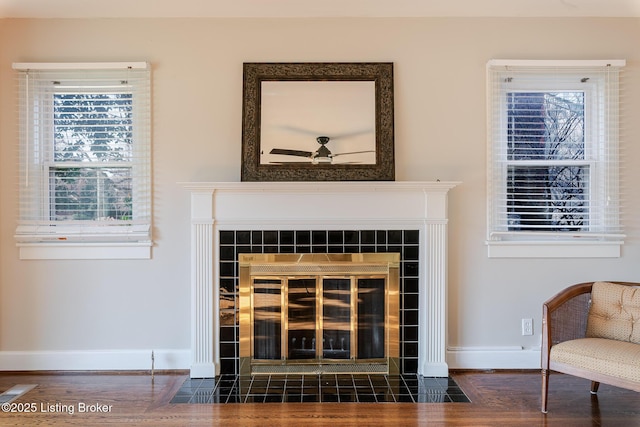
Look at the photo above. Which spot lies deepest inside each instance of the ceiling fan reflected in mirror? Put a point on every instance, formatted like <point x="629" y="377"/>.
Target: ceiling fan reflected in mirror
<point x="321" y="156"/>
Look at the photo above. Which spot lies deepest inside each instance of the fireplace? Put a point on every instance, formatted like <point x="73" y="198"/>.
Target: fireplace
<point x="229" y="219"/>
<point x="319" y="313"/>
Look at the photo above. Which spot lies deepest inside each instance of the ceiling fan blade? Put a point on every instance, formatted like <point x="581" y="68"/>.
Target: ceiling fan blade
<point x="311" y="132"/>
<point x="351" y="134"/>
<point x="353" y="152"/>
<point x="299" y="130"/>
<point x="286" y="152"/>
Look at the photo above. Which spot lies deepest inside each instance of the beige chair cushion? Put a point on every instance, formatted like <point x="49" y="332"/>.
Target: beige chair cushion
<point x="619" y="359"/>
<point x="614" y="312"/>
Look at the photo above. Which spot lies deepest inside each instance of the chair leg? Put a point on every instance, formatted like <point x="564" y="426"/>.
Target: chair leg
<point x="594" y="387"/>
<point x="545" y="389"/>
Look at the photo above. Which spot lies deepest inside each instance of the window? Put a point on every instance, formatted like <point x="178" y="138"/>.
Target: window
<point x="85" y="172"/>
<point x="553" y="180"/>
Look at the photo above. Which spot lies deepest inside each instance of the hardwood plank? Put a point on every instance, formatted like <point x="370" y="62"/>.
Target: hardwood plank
<point x="497" y="398"/>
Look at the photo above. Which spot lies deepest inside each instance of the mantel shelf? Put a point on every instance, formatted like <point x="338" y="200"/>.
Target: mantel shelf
<point x="322" y="186"/>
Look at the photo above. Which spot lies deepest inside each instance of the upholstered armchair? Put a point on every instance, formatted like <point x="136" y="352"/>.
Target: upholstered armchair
<point x="592" y="330"/>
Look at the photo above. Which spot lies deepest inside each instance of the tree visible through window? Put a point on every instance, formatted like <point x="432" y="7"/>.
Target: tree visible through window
<point x="91" y="177"/>
<point x="547" y="176"/>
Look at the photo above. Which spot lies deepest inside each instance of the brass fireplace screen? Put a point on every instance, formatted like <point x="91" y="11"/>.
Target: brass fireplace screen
<point x="319" y="313"/>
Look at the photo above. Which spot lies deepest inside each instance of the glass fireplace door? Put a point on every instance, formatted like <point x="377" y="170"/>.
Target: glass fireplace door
<point x="301" y="318"/>
<point x="267" y="319"/>
<point x="347" y="313"/>
<point x="371" y="318"/>
<point x="337" y="318"/>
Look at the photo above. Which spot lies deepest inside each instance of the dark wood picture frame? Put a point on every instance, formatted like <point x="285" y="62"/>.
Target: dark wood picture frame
<point x="382" y="122"/>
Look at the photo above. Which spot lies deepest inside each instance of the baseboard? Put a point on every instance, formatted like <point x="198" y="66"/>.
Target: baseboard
<point x="99" y="360"/>
<point x="512" y="357"/>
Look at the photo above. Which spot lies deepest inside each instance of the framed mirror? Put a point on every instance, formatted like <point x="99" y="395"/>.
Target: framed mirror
<point x="318" y="122"/>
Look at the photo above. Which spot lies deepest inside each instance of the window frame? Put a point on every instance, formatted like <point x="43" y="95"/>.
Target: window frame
<point x="82" y="239"/>
<point x="600" y="156"/>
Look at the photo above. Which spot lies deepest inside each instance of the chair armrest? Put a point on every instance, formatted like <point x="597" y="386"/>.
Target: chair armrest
<point x="564" y="317"/>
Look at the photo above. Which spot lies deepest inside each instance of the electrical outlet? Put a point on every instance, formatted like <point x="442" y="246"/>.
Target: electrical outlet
<point x="527" y="326"/>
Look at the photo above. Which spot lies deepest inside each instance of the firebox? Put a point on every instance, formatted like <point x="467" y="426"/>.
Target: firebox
<point x="319" y="313"/>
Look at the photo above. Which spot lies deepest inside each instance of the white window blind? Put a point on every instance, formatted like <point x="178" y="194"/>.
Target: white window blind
<point x="553" y="150"/>
<point x="85" y="172"/>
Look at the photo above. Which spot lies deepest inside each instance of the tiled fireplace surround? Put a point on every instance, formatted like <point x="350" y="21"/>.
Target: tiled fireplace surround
<point x="277" y="217"/>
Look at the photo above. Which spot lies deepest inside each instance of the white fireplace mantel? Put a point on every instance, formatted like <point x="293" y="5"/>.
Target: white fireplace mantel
<point x="217" y="206"/>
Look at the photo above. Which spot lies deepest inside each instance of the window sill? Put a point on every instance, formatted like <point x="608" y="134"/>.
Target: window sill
<point x="554" y="249"/>
<point x="84" y="250"/>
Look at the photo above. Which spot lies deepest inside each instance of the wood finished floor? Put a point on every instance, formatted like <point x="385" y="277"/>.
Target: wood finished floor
<point x="497" y="399"/>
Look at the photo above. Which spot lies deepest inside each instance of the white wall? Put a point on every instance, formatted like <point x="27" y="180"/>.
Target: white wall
<point x="111" y="314"/>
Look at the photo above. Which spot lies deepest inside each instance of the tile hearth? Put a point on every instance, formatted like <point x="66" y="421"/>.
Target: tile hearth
<point x="361" y="388"/>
